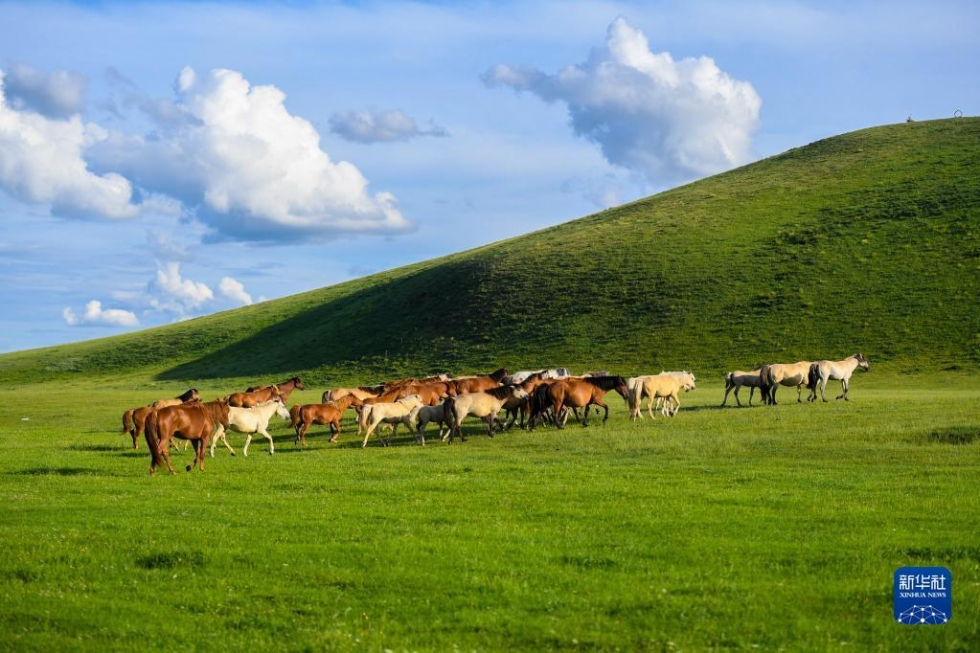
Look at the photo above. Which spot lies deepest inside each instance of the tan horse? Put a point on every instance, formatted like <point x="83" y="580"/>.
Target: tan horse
<point x="326" y="413"/>
<point x="250" y="421"/>
<point x="395" y="413"/>
<point x="486" y="404"/>
<point x="195" y="422"/>
<point x="823" y="371"/>
<point x="735" y="380"/>
<point x="363" y="392"/>
<point x="790" y="375"/>
<point x="666" y="386"/>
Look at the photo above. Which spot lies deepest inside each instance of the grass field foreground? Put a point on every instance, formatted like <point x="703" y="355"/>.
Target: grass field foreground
<point x="776" y="528"/>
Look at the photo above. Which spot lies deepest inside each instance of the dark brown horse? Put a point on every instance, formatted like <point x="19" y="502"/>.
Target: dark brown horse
<point x="195" y="422"/>
<point x="479" y="382"/>
<point x="134" y="418"/>
<point x="328" y="414"/>
<point x="587" y="392"/>
<point x="285" y="388"/>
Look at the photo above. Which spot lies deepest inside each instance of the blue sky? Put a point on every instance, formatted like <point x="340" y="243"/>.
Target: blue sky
<point x="164" y="160"/>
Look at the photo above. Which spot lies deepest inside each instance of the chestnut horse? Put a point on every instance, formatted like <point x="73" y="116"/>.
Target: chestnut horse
<point x="285" y="388"/>
<point x="479" y="382"/>
<point x="195" y="422"/>
<point x="587" y="392"/>
<point x="327" y="414"/>
<point x="253" y="398"/>
<point x="134" y="418"/>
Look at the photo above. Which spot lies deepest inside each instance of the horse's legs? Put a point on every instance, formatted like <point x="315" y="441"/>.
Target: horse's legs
<point x="843" y="385"/>
<point x="605" y="418"/>
<point x="335" y="429"/>
<point x="587" y="408"/>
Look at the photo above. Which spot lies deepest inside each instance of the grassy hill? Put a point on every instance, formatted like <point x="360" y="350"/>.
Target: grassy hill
<point x="867" y="241"/>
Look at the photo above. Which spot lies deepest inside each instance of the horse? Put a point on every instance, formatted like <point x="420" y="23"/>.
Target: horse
<point x="195" y="422"/>
<point x="735" y="380"/>
<point x="250" y="421"/>
<point x="432" y="392"/>
<point x="253" y="398"/>
<point x="479" y="382"/>
<point x="422" y="415"/>
<point x="785" y="374"/>
<point x="326" y="413"/>
<point x="285" y="388"/>
<point x="396" y="412"/>
<point x="486" y="403"/>
<point x="665" y="385"/>
<point x="134" y="418"/>
<point x="362" y="392"/>
<point x="823" y="371"/>
<point x="578" y="392"/>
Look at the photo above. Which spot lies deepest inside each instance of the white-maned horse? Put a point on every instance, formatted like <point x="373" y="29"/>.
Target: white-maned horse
<point x="396" y="412"/>
<point x="823" y="371"/>
<point x="735" y="380"/>
<point x="665" y="386"/>
<point x="250" y="421"/>
<point x="786" y="374"/>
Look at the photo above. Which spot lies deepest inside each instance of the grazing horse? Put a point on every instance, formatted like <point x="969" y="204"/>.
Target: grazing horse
<point x="134" y="418"/>
<point x="486" y="403"/>
<point x="195" y="422"/>
<point x="396" y="412"/>
<point x="823" y="371"/>
<point x="250" y="421"/>
<point x="285" y="388"/>
<point x="665" y="385"/>
<point x="253" y="398"/>
<point x="326" y="413"/>
<point x="735" y="380"/>
<point x="786" y="374"/>
<point x="479" y="382"/>
<point x="578" y="392"/>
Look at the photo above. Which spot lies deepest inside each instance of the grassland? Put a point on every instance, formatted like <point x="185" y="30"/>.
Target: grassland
<point x="776" y="528"/>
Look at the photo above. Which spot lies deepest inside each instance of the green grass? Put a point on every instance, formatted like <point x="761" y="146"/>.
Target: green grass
<point x="771" y="527"/>
<point x="869" y="241"/>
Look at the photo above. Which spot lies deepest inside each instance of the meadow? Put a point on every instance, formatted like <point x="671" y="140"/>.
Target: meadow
<point x="771" y="528"/>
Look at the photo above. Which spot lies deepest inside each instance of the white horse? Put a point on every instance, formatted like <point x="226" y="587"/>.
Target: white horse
<point x="823" y="371"/>
<point x="654" y="387"/>
<point x="250" y="421"/>
<point x="397" y="412"/>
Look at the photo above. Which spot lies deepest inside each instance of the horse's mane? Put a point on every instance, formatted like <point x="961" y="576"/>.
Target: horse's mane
<point x="501" y="391"/>
<point x="498" y="375"/>
<point x="187" y="396"/>
<point x="605" y="382"/>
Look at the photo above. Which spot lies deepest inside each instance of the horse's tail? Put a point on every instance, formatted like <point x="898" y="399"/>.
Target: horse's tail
<point x="294" y="415"/>
<point x="129" y="426"/>
<point x="150" y="433"/>
<point x="813" y="376"/>
<point x="729" y="380"/>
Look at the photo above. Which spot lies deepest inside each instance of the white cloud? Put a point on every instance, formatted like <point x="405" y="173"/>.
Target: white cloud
<point x="234" y="290"/>
<point x="41" y="162"/>
<point x="179" y="294"/>
<point x="375" y="127"/>
<point x="249" y="168"/>
<point x="58" y="95"/>
<point x="95" y="315"/>
<point x="669" y="120"/>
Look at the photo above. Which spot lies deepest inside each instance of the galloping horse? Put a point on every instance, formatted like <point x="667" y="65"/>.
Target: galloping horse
<point x="327" y="413"/>
<point x="253" y="398"/>
<point x="250" y="421"/>
<point x="823" y="371"/>
<point x="576" y="393"/>
<point x="785" y="374"/>
<point x="735" y="380"/>
<point x="285" y="388"/>
<point x="195" y="422"/>
<point x="134" y="418"/>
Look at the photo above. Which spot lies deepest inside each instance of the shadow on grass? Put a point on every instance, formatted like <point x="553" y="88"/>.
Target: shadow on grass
<point x="950" y="435"/>
<point x="61" y="471"/>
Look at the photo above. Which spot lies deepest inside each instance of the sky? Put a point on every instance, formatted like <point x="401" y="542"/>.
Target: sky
<point x="165" y="160"/>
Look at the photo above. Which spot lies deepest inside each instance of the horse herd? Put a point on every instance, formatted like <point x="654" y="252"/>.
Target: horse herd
<point x="533" y="397"/>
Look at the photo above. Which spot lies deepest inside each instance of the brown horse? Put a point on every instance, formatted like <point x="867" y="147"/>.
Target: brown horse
<point x="134" y="417"/>
<point x="432" y="392"/>
<point x="253" y="398"/>
<point x="327" y="414"/>
<point x="361" y="392"/>
<point x="195" y="422"/>
<point x="285" y="388"/>
<point x="587" y="392"/>
<point x="479" y="382"/>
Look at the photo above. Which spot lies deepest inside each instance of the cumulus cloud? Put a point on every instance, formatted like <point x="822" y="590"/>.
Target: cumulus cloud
<point x="234" y="155"/>
<point x="234" y="290"/>
<point x="41" y="161"/>
<point x="56" y="95"/>
<point x="95" y="315"/>
<point x="669" y="120"/>
<point x="176" y="293"/>
<point x="377" y="127"/>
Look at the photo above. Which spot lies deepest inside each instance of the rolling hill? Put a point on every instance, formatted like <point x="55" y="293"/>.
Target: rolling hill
<point x="868" y="241"/>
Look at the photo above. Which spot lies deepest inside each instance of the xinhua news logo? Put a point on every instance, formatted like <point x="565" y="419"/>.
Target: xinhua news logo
<point x="923" y="596"/>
